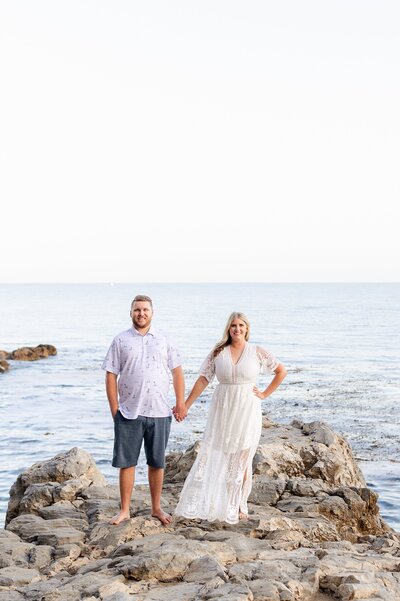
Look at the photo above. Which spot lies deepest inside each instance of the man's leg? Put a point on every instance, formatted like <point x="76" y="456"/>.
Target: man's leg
<point x="155" y="442"/>
<point x="127" y="443"/>
<point x="126" y="482"/>
<point x="156" y="478"/>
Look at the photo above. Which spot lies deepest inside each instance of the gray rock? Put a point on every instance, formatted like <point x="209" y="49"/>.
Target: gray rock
<point x="16" y="576"/>
<point x="168" y="560"/>
<point x="41" y="556"/>
<point x="13" y="551"/>
<point x="203" y="569"/>
<point x="40" y="484"/>
<point x="314" y="531"/>
<point x="302" y="450"/>
<point x="11" y="595"/>
<point x="104" y="536"/>
<point x="32" y="528"/>
<point x="266" y="490"/>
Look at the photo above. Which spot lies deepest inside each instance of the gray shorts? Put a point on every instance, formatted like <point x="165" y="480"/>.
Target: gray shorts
<point x="129" y="435"/>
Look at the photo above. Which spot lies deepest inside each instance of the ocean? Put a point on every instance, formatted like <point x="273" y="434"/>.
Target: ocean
<point x="339" y="342"/>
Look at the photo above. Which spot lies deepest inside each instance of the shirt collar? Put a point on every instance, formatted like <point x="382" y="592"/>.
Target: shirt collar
<point x="151" y="331"/>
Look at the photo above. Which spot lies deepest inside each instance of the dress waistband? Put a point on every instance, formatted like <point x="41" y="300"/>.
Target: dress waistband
<point x="236" y="383"/>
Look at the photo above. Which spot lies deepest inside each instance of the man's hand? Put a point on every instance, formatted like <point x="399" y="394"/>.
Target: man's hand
<point x="180" y="412"/>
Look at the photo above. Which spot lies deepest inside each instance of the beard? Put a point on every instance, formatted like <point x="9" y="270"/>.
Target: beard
<point x="142" y="323"/>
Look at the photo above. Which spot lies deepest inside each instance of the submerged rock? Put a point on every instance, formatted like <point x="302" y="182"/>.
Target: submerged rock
<point x="32" y="353"/>
<point x="26" y="353"/>
<point x="4" y="366"/>
<point x="314" y="532"/>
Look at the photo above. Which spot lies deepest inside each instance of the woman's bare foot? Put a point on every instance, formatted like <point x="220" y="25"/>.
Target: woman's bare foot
<point x="120" y="517"/>
<point x="164" y="518"/>
<point x="243" y="516"/>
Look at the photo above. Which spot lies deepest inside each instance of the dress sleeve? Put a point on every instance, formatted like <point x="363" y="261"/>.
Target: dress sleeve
<point x="112" y="361"/>
<point x="207" y="368"/>
<point x="268" y="362"/>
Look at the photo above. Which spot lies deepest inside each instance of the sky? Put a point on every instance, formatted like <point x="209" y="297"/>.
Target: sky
<point x="207" y="141"/>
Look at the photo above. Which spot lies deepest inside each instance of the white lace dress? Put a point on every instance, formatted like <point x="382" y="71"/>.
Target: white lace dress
<point x="219" y="482"/>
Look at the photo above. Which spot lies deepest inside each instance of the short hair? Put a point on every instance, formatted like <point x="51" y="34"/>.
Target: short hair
<point x="142" y="298"/>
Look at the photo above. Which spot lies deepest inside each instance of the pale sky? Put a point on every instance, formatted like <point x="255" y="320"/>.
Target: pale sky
<point x="199" y="141"/>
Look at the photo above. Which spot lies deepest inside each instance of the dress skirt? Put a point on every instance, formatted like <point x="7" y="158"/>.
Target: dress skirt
<point x="219" y="482"/>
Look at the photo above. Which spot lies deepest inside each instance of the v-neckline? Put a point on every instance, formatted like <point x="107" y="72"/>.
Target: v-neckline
<point x="241" y="355"/>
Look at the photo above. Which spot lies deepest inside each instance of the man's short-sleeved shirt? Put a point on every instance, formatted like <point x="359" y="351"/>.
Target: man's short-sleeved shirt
<point x="143" y="364"/>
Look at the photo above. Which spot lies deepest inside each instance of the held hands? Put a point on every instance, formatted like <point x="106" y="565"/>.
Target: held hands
<point x="179" y="412"/>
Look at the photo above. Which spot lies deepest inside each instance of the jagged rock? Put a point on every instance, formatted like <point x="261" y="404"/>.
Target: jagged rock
<point x="166" y="557"/>
<point x="267" y="490"/>
<point x="32" y="353"/>
<point x="177" y="465"/>
<point x="314" y="533"/>
<point x="203" y="569"/>
<point x="33" y="528"/>
<point x="104" y="537"/>
<point x="43" y="483"/>
<point x="307" y="451"/>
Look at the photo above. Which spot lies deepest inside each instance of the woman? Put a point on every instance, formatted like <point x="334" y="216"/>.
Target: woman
<point x="219" y="483"/>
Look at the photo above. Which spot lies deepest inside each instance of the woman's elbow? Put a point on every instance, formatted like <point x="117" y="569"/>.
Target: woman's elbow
<point x="281" y="371"/>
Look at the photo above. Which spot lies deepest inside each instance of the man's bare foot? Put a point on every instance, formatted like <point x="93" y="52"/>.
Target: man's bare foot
<point x="243" y="516"/>
<point x="164" y="518"/>
<point x="120" y="517"/>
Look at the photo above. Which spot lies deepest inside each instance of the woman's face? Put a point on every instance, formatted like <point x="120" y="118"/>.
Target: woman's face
<point x="238" y="329"/>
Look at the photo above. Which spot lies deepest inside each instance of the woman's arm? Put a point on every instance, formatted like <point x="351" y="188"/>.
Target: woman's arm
<point x="178" y="381"/>
<point x="280" y="375"/>
<point x="198" y="387"/>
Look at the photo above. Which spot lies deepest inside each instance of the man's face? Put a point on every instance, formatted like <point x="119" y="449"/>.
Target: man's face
<point x="141" y="314"/>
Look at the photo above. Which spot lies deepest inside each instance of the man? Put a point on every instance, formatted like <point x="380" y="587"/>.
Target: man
<point x="137" y="366"/>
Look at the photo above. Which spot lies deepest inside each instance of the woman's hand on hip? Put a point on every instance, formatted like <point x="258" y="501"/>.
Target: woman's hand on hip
<point x="258" y="393"/>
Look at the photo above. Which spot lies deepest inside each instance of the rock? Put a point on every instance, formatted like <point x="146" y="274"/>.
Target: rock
<point x="104" y="537"/>
<point x="352" y="515"/>
<point x="4" y="366"/>
<point x="10" y="595"/>
<point x="177" y="465"/>
<point x="32" y="353"/>
<point x="44" y="482"/>
<point x="33" y="528"/>
<point x="267" y="490"/>
<point x="14" y="576"/>
<point x="302" y="450"/>
<point x="314" y="532"/>
<point x="203" y="569"/>
<point x="41" y="556"/>
<point x="166" y="557"/>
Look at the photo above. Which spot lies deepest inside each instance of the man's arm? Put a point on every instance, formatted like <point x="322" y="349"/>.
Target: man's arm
<point x="178" y="381"/>
<point x="112" y="392"/>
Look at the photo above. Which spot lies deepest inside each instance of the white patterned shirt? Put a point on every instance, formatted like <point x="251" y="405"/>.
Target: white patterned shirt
<point x="143" y="364"/>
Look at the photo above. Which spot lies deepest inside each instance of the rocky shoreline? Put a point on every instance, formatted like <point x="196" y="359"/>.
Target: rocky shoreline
<point x="26" y="353"/>
<point x="314" y="532"/>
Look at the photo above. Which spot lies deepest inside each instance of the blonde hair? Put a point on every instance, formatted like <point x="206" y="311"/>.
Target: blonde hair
<point x="226" y="337"/>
